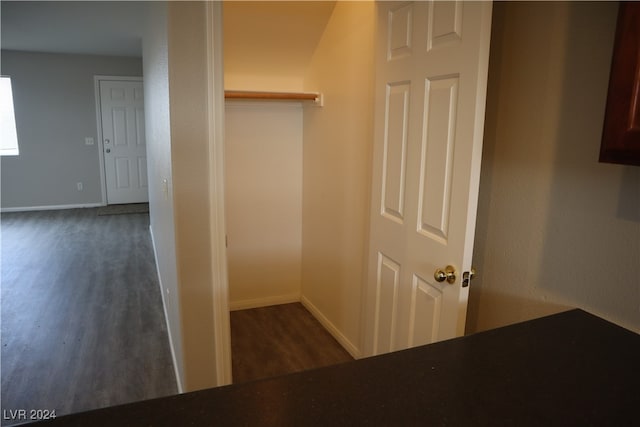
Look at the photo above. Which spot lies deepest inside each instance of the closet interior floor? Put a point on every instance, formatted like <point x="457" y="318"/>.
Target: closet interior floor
<point x="280" y="339"/>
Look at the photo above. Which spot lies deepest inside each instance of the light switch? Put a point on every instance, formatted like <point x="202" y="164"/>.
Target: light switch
<point x="88" y="141"/>
<point x="165" y="189"/>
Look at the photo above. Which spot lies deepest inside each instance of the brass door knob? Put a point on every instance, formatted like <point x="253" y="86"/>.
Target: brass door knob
<point x="448" y="274"/>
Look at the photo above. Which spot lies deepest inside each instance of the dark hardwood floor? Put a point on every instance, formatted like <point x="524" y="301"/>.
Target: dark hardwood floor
<point x="82" y="319"/>
<point x="279" y="340"/>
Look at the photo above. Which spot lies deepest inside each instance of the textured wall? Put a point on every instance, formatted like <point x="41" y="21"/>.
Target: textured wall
<point x="158" y="132"/>
<point x="55" y="109"/>
<point x="555" y="228"/>
<point x="175" y="53"/>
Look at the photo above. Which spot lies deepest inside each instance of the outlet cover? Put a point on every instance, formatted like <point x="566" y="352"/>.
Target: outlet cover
<point x="88" y="141"/>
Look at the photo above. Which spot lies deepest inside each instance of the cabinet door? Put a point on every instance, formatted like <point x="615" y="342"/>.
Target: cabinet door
<point x="621" y="133"/>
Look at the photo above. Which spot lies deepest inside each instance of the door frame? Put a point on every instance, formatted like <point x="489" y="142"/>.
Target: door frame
<point x="215" y="95"/>
<point x="217" y="239"/>
<point x="96" y="87"/>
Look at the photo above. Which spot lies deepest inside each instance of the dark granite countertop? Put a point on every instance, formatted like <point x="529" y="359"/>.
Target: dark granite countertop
<point x="567" y="369"/>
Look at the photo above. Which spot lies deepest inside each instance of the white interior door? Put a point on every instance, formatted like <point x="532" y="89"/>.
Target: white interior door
<point x="431" y="73"/>
<point x="123" y="141"/>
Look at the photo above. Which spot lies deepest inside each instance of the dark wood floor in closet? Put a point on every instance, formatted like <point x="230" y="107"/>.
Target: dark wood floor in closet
<point x="279" y="340"/>
<point x="82" y="319"/>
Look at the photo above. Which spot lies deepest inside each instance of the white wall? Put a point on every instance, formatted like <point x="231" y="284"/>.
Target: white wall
<point x="263" y="157"/>
<point x="158" y="133"/>
<point x="336" y="172"/>
<point x="328" y="49"/>
<point x="175" y="58"/>
<point x="192" y="194"/>
<point x="55" y="110"/>
<point x="556" y="229"/>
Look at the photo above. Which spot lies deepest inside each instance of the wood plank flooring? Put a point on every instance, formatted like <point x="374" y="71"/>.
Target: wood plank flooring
<point x="82" y="319"/>
<point x="279" y="340"/>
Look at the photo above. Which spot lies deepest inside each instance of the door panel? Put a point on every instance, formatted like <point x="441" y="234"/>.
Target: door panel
<point x="395" y="150"/>
<point x="119" y="123"/>
<point x="387" y="286"/>
<point x="122" y="172"/>
<point x="400" y="34"/>
<point x="125" y="161"/>
<point x="431" y="71"/>
<point x="141" y="136"/>
<point x="426" y="303"/>
<point x="436" y="158"/>
<point x="444" y="23"/>
<point x="142" y="172"/>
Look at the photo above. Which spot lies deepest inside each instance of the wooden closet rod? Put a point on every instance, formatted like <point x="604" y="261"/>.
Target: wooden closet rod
<point x="282" y="96"/>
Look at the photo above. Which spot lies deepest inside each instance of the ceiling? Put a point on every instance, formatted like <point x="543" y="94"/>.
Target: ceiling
<point x="272" y="38"/>
<point x="82" y="27"/>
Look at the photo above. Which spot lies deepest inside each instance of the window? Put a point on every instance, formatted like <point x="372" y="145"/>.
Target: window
<point x="8" y="133"/>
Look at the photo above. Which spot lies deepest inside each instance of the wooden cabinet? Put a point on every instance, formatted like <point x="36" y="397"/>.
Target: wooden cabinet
<point x="621" y="132"/>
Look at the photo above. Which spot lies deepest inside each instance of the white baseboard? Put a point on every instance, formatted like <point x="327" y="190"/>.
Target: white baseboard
<point x="51" y="207"/>
<point x="329" y="326"/>
<point x="166" y="316"/>
<point x="263" y="302"/>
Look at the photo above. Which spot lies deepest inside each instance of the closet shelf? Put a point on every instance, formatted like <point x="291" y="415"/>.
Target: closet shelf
<point x="277" y="96"/>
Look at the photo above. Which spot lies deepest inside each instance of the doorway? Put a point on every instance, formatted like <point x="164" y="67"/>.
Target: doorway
<point x="337" y="147"/>
<point x="308" y="47"/>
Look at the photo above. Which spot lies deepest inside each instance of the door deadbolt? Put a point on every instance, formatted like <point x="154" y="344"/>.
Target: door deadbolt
<point x="448" y="274"/>
<point x="108" y="150"/>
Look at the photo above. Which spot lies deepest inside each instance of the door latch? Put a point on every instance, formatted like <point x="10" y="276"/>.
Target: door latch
<point x="467" y="276"/>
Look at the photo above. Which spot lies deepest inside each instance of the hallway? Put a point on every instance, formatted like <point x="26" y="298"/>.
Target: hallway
<point x="82" y="319"/>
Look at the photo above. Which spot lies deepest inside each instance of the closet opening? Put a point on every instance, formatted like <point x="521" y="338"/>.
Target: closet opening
<point x="297" y="171"/>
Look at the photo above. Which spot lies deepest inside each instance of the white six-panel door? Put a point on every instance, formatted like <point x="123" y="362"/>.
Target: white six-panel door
<point x="123" y="141"/>
<point x="431" y="72"/>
